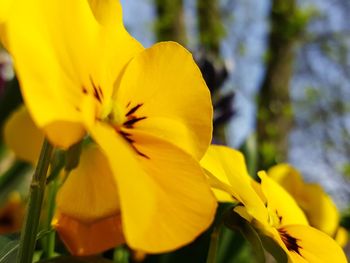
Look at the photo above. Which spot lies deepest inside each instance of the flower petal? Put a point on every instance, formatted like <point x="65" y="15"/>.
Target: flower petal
<point x="228" y="166"/>
<point x="315" y="246"/>
<point x="97" y="196"/>
<point x="281" y="203"/>
<point x="5" y="6"/>
<point x="342" y="236"/>
<point x="166" y="201"/>
<point x="73" y="57"/>
<point x="22" y="136"/>
<point x="85" y="239"/>
<point x="317" y="205"/>
<point x="175" y="100"/>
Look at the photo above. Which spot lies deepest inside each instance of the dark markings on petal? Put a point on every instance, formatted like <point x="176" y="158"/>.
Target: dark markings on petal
<point x="138" y="152"/>
<point x="290" y="242"/>
<point x="97" y="95"/>
<point x="127" y="105"/>
<point x="100" y="90"/>
<point x="279" y="217"/>
<point x="127" y="137"/>
<point x="97" y="90"/>
<point x="77" y="109"/>
<point x="84" y="90"/>
<point x="133" y="109"/>
<point x="129" y="123"/>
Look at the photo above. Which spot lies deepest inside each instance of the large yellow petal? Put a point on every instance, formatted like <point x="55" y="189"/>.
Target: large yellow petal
<point x="22" y="136"/>
<point x="228" y="166"/>
<point x="166" y="201"/>
<point x="316" y="204"/>
<point x="175" y="100"/>
<point x="313" y="245"/>
<point x="5" y="8"/>
<point x="84" y="239"/>
<point x="281" y="205"/>
<point x="73" y="58"/>
<point x="97" y="196"/>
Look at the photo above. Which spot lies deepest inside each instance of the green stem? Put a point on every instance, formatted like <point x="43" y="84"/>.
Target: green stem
<point x="36" y="196"/>
<point x="214" y="244"/>
<point x="49" y="246"/>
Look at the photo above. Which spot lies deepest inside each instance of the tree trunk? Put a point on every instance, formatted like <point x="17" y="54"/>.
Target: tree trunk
<point x="170" y="24"/>
<point x="275" y="110"/>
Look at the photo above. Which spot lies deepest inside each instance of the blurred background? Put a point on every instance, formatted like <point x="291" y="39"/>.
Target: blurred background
<point x="279" y="73"/>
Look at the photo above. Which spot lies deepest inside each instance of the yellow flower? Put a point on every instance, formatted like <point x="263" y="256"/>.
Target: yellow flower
<point x="148" y="111"/>
<point x="11" y="214"/>
<point x="274" y="213"/>
<point x="316" y="204"/>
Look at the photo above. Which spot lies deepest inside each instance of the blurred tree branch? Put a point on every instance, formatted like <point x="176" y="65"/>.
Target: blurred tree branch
<point x="170" y="24"/>
<point x="275" y="116"/>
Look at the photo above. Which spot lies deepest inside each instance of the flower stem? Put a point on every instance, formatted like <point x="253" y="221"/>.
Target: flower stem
<point x="36" y="196"/>
<point x="49" y="240"/>
<point x="214" y="243"/>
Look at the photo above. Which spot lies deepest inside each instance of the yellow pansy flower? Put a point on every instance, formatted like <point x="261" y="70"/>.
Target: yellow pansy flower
<point x="279" y="215"/>
<point x="148" y="111"/>
<point x="316" y="204"/>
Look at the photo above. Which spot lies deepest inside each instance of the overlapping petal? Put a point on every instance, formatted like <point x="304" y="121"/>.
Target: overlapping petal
<point x="72" y="57"/>
<point x="97" y="196"/>
<point x="228" y="165"/>
<point x="279" y="202"/>
<point x="88" y="214"/>
<point x="314" y="246"/>
<point x="317" y="205"/>
<point x="83" y="238"/>
<point x="175" y="100"/>
<point x="165" y="199"/>
<point x="22" y="136"/>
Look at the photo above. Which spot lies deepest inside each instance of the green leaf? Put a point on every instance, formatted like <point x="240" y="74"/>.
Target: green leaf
<point x="274" y="249"/>
<point x="9" y="246"/>
<point x="235" y="222"/>
<point x="72" y="259"/>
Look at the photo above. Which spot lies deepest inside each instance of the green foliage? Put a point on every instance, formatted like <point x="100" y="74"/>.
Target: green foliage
<point x="72" y="259"/>
<point x="235" y="222"/>
<point x="8" y="248"/>
<point x="10" y="100"/>
<point x="14" y="180"/>
<point x="346" y="169"/>
<point x="274" y="249"/>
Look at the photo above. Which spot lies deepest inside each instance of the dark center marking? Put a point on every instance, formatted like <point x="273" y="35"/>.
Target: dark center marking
<point x="129" y="124"/>
<point x="290" y="242"/>
<point x="279" y="217"/>
<point x="133" y="109"/>
<point x="96" y="90"/>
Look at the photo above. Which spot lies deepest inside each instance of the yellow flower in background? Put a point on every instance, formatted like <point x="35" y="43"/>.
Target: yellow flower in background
<point x="316" y="204"/>
<point x="148" y="111"/>
<point x="276" y="214"/>
<point x="22" y="136"/>
<point x="12" y="214"/>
